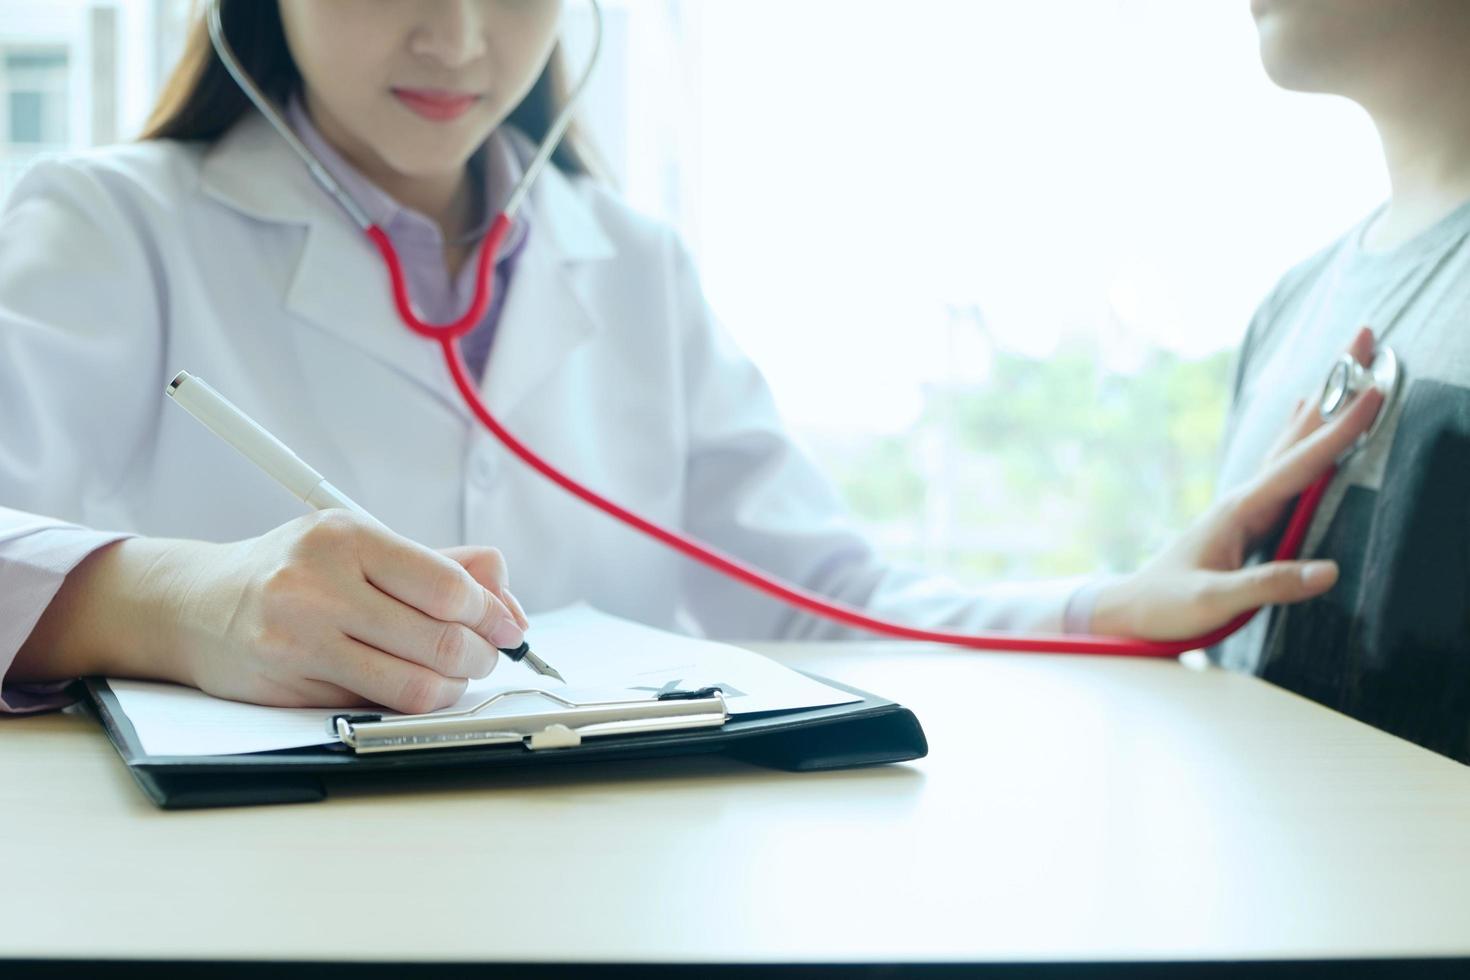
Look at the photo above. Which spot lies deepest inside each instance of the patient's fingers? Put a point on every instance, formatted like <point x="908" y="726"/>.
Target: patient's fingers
<point x="1362" y="347"/>
<point x="1303" y="422"/>
<point x="1272" y="584"/>
<point x="1307" y="418"/>
<point x="1298" y="466"/>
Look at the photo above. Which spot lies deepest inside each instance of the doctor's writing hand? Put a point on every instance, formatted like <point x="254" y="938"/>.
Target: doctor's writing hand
<point x="334" y="610"/>
<point x="1198" y="583"/>
<point x="329" y="610"/>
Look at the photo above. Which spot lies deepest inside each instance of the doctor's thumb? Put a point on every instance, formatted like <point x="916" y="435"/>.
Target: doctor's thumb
<point x="1278" y="583"/>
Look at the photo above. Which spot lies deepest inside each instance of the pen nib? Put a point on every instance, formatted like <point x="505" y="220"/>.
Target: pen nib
<point x="523" y="654"/>
<point x="542" y="667"/>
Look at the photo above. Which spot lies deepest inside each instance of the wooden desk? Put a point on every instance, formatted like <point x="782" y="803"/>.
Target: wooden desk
<point x="1071" y="809"/>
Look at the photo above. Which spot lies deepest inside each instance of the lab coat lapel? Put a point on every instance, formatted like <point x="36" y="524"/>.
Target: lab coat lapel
<point x="548" y="311"/>
<point x="544" y="319"/>
<point x="341" y="286"/>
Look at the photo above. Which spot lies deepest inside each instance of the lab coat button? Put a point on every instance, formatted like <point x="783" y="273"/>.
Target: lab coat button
<point x="482" y="470"/>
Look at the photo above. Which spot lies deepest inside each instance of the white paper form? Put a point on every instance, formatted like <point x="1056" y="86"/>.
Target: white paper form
<point x="601" y="657"/>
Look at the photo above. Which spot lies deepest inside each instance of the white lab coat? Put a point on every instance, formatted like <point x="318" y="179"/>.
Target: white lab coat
<point x="122" y="266"/>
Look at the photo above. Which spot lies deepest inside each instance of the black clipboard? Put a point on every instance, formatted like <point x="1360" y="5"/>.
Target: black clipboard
<point x="869" y="731"/>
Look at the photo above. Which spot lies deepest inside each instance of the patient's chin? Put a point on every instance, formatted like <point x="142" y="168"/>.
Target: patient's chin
<point x="1297" y="67"/>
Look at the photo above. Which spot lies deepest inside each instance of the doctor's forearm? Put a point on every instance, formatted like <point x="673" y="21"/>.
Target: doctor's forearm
<point x="110" y="617"/>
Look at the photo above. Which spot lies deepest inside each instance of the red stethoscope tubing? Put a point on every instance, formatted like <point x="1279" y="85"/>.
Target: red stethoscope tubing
<point x="447" y="336"/>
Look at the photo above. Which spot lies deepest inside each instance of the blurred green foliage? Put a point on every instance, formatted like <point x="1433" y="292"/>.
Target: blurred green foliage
<point x="1050" y="467"/>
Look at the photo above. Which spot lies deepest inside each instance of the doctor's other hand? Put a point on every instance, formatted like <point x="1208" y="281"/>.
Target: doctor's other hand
<point x="1198" y="584"/>
<point x="328" y="610"/>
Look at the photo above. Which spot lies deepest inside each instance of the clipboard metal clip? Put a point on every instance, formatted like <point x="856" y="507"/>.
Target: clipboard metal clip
<point x="564" y="726"/>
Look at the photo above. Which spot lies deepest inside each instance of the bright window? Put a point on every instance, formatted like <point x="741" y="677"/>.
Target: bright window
<point x="35" y="87"/>
<point x="994" y="257"/>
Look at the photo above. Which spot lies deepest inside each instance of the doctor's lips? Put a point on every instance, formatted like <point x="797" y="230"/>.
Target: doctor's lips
<point x="438" y="105"/>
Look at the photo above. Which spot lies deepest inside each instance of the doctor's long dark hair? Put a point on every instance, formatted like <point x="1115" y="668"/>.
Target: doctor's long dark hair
<point x="200" y="101"/>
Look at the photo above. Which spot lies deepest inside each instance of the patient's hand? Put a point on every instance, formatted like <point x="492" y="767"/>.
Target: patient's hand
<point x="1198" y="584"/>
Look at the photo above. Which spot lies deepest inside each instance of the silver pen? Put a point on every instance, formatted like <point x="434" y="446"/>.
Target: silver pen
<point x="220" y="416"/>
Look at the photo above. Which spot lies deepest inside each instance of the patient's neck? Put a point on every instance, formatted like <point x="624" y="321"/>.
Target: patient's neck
<point x="1426" y="146"/>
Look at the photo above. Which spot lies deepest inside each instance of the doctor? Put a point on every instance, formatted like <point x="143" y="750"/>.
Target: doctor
<point x="134" y="543"/>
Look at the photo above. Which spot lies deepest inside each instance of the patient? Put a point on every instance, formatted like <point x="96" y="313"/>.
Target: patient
<point x="1390" y="644"/>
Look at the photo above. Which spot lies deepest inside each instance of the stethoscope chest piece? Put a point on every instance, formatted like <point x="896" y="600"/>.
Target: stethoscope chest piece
<point x="1347" y="379"/>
